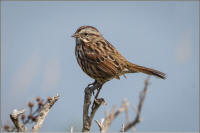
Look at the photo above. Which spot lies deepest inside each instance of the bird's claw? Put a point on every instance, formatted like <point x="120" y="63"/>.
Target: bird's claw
<point x="89" y="85"/>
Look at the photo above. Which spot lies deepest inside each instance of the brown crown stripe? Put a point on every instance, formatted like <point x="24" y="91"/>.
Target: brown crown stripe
<point x="84" y="27"/>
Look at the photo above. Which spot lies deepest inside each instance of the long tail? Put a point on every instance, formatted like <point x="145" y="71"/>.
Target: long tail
<point x="136" y="68"/>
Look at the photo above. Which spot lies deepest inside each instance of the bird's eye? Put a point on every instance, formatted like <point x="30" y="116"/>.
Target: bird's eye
<point x="86" y="34"/>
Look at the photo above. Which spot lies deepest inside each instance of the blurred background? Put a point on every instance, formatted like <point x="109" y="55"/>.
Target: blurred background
<point x="37" y="59"/>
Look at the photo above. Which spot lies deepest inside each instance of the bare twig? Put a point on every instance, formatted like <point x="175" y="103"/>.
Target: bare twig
<point x="87" y="119"/>
<point x="110" y="116"/>
<point x="71" y="130"/>
<point x="126" y="104"/>
<point x="43" y="113"/>
<point x="137" y="118"/>
<point x="122" y="130"/>
<point x="104" y="124"/>
<point x="15" y="119"/>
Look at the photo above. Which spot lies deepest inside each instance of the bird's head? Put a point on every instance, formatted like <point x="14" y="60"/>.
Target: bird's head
<point x="87" y="33"/>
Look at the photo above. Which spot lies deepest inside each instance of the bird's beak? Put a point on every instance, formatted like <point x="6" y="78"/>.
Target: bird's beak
<point x="75" y="35"/>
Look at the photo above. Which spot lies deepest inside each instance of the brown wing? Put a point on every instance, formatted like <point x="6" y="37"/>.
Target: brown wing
<point x="104" y="56"/>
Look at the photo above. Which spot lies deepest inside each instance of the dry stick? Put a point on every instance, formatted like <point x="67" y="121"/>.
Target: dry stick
<point x="125" y="103"/>
<point x="15" y="119"/>
<point x="137" y="118"/>
<point x="105" y="124"/>
<point x="122" y="130"/>
<point x="87" y="119"/>
<point x="43" y="113"/>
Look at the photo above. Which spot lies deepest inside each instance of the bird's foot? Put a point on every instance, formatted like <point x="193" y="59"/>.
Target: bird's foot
<point x="94" y="86"/>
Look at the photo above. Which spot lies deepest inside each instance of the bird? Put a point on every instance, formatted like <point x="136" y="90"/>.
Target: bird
<point x="101" y="61"/>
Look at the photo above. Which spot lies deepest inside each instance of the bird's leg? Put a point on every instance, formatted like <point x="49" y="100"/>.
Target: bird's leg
<point x="98" y="101"/>
<point x="95" y="86"/>
<point x="98" y="90"/>
<point x="92" y="84"/>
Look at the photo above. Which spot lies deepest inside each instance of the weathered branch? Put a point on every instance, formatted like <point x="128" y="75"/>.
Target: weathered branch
<point x="137" y="118"/>
<point x="87" y="119"/>
<point x="15" y="119"/>
<point x="43" y="113"/>
<point x="104" y="124"/>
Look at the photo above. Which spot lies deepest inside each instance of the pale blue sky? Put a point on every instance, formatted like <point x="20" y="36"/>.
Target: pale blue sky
<point x="38" y="59"/>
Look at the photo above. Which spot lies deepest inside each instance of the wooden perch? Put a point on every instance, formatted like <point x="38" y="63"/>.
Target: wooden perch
<point x="88" y="117"/>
